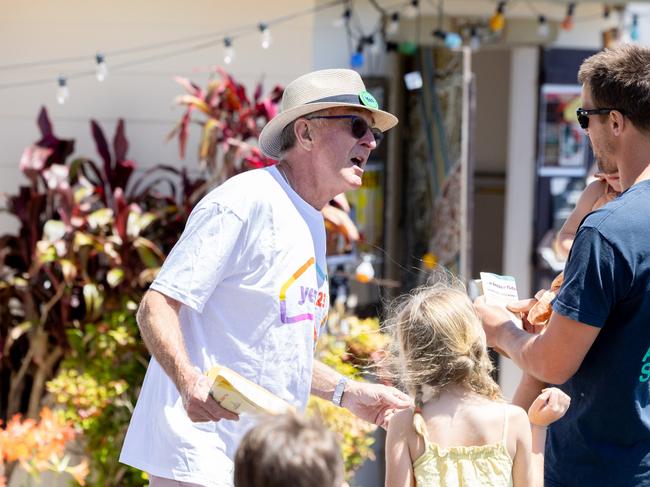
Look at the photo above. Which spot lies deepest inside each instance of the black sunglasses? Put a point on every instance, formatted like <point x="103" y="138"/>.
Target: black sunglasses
<point x="358" y="126"/>
<point x="583" y="115"/>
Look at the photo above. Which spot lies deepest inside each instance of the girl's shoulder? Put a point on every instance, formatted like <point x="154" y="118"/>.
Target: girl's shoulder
<point x="402" y="421"/>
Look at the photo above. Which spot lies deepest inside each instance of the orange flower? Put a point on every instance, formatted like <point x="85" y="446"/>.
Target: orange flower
<point x="79" y="472"/>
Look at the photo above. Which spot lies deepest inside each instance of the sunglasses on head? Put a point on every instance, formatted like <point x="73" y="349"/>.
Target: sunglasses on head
<point x="358" y="126"/>
<point x="583" y="115"/>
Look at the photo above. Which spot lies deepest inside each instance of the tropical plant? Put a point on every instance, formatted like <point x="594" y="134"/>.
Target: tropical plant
<point x="90" y="240"/>
<point x="230" y="124"/>
<point x="39" y="446"/>
<point x="351" y="348"/>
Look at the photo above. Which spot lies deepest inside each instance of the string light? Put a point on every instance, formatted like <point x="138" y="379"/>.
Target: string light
<point x="343" y="19"/>
<point x="393" y="25"/>
<point x="266" y="38"/>
<point x="101" y="70"/>
<point x="474" y="39"/>
<point x="374" y="43"/>
<point x="567" y="23"/>
<point x="450" y="39"/>
<point x="62" y="92"/>
<point x="606" y="11"/>
<point x="412" y="9"/>
<point x="365" y="271"/>
<point x="229" y="50"/>
<point x="357" y="59"/>
<point x="498" y="20"/>
<point x="543" y="29"/>
<point x="210" y="40"/>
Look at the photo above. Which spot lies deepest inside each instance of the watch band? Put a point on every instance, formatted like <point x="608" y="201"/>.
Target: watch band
<point x="337" y="397"/>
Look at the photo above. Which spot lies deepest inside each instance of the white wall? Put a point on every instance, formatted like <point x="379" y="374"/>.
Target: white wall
<point x="40" y="30"/>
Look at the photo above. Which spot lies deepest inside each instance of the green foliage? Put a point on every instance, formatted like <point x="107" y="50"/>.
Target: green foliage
<point x="91" y="238"/>
<point x="350" y="348"/>
<point x="89" y="242"/>
<point x="94" y="385"/>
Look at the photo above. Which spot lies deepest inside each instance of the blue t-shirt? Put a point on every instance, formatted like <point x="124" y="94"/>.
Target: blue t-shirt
<point x="604" y="438"/>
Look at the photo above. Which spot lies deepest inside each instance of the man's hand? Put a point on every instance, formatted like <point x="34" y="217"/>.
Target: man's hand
<point x="374" y="403"/>
<point x="200" y="405"/>
<point x="493" y="319"/>
<point x="522" y="308"/>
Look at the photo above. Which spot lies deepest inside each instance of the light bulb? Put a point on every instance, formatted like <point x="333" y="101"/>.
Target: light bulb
<point x="365" y="271"/>
<point x="266" y="37"/>
<point x="343" y="19"/>
<point x="101" y="70"/>
<point x="543" y="29"/>
<point x="498" y="20"/>
<point x="453" y="40"/>
<point x="412" y="9"/>
<point x="357" y="59"/>
<point x="474" y="40"/>
<point x="393" y="25"/>
<point x="229" y="51"/>
<point x="567" y="23"/>
<point x="62" y="92"/>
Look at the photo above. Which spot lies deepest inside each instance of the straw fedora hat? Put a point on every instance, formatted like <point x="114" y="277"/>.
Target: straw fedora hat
<point x="316" y="91"/>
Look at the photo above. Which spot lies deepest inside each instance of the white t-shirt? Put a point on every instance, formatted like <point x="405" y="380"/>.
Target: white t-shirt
<point x="250" y="272"/>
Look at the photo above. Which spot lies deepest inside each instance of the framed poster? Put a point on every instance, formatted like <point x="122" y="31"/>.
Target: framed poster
<point x="563" y="146"/>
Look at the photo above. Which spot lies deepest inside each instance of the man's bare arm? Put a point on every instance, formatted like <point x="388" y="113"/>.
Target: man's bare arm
<point x="160" y="329"/>
<point x="553" y="356"/>
<point x="374" y="403"/>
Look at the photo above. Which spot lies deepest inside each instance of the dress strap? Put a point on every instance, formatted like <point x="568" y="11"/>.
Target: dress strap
<point x="425" y="433"/>
<point x="504" y="438"/>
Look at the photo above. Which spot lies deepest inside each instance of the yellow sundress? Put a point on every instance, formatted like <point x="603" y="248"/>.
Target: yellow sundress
<point x="465" y="466"/>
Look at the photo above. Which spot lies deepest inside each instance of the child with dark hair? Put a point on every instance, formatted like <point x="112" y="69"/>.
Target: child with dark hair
<point x="289" y="450"/>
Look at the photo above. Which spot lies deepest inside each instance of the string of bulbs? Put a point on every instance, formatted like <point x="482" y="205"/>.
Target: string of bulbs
<point x="101" y="69"/>
<point x="473" y="34"/>
<point x="387" y="27"/>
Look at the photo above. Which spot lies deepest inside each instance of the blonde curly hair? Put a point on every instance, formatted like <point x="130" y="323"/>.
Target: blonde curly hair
<point x="438" y="340"/>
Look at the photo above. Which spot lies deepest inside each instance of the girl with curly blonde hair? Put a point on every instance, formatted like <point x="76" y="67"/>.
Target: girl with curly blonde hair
<point x="461" y="432"/>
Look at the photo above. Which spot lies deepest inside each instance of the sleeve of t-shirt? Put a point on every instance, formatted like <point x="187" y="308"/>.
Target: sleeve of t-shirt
<point x="206" y="253"/>
<point x="593" y="279"/>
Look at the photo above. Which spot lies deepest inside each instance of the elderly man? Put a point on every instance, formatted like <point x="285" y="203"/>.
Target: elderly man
<point x="597" y="342"/>
<point x="246" y="287"/>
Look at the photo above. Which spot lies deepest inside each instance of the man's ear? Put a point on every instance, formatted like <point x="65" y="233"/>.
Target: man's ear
<point x="304" y="134"/>
<point x="617" y="122"/>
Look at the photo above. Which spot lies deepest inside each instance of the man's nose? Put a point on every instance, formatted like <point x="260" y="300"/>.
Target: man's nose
<point x="368" y="139"/>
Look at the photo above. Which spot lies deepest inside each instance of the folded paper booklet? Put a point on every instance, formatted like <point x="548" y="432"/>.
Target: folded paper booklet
<point x="500" y="291"/>
<point x="236" y="393"/>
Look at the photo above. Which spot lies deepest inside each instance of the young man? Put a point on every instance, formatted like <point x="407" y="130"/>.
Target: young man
<point x="246" y="287"/>
<point x="597" y="342"/>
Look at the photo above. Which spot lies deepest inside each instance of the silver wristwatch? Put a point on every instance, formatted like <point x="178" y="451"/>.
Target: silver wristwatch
<point x="338" y="391"/>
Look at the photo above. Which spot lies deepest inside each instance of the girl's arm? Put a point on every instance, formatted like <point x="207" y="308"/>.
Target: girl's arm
<point x="399" y="465"/>
<point x="522" y="468"/>
<point x="585" y="205"/>
<point x="549" y="406"/>
<point x="537" y="453"/>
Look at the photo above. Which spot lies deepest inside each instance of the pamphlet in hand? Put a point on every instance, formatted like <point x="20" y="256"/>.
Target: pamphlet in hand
<point x="500" y="291"/>
<point x="240" y="395"/>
